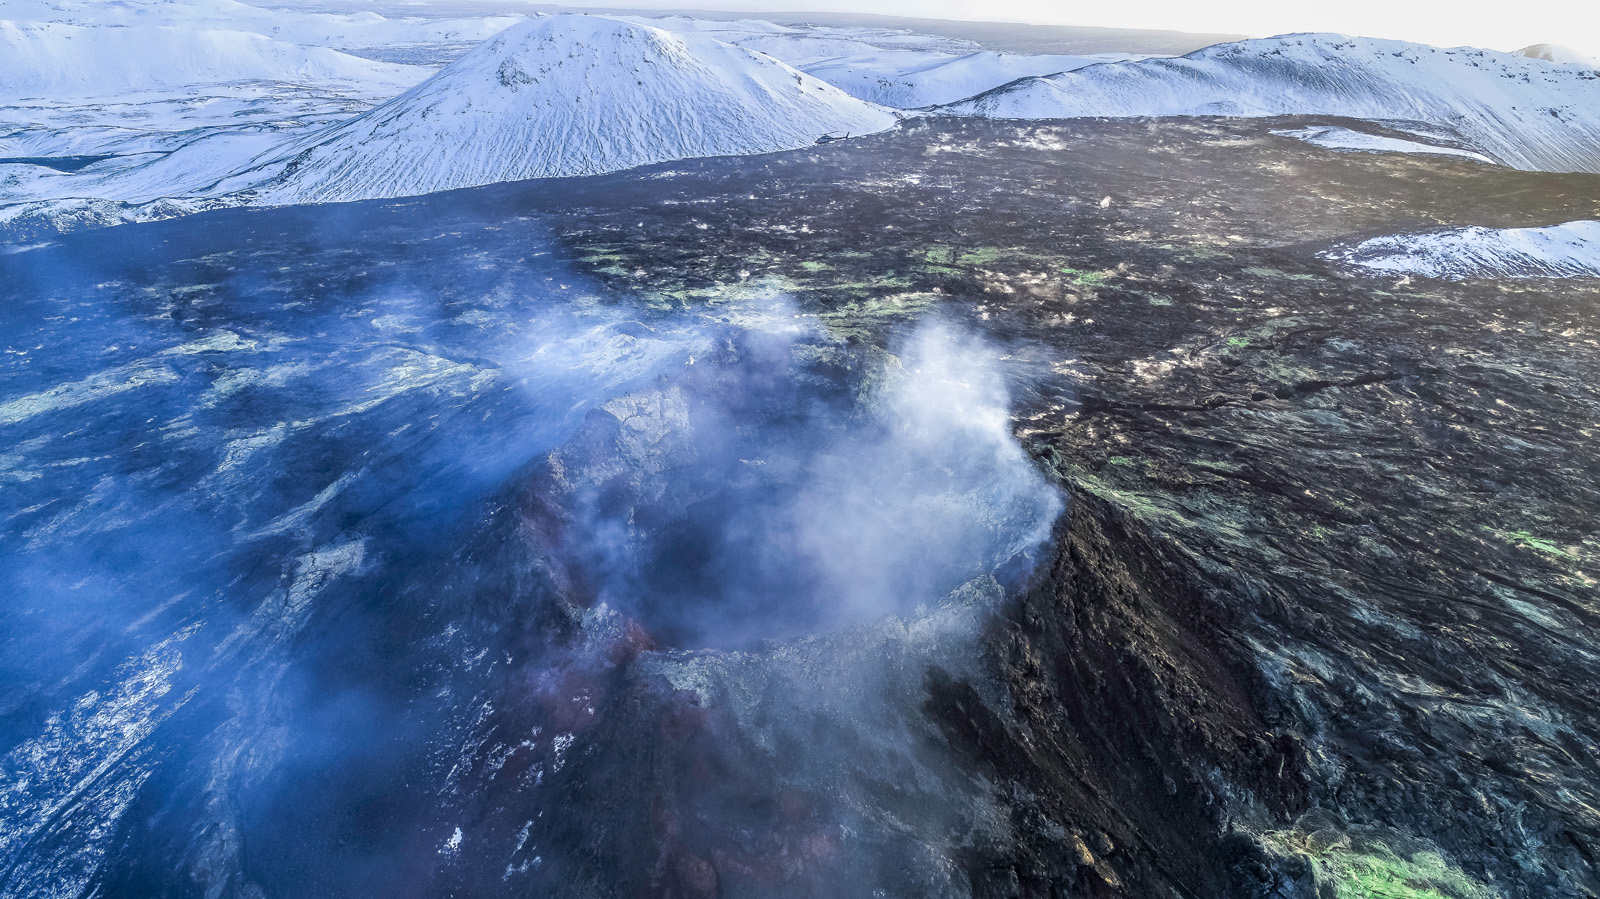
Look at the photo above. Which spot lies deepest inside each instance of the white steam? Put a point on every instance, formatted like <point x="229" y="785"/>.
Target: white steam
<point x="794" y="485"/>
<point x="935" y="493"/>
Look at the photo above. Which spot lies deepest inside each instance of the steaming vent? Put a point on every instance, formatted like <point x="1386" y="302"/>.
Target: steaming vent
<point x="791" y="486"/>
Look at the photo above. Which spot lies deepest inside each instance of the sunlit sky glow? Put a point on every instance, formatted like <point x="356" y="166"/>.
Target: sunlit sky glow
<point x="1496" y="24"/>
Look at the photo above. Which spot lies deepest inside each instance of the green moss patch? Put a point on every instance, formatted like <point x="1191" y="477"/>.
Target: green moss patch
<point x="1529" y="541"/>
<point x="1083" y="278"/>
<point x="1363" y="865"/>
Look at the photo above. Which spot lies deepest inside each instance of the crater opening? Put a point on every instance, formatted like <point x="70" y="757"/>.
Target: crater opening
<point x="791" y="484"/>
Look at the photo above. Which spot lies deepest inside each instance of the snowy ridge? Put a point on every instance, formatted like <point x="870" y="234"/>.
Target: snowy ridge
<point x="1521" y="112"/>
<point x="559" y="96"/>
<point x="1570" y="250"/>
<point x="55" y="61"/>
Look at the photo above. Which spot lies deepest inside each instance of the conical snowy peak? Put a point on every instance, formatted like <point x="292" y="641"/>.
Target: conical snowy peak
<point x="566" y="95"/>
<point x="1522" y="112"/>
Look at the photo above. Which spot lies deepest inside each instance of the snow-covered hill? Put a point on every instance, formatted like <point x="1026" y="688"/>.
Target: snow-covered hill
<point x="1571" y="250"/>
<point x="1522" y="112"/>
<point x="562" y="95"/>
<point x="54" y="61"/>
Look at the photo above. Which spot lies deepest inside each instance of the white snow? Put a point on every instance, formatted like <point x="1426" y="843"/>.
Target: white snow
<point x="558" y="96"/>
<point x="1570" y="250"/>
<point x="1334" y="137"/>
<point x="1518" y="111"/>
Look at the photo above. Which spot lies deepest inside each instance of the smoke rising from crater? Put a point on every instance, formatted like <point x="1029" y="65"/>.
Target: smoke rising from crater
<point x="791" y="484"/>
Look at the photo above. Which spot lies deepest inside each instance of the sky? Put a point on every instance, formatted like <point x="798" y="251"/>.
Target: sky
<point x="1496" y="24"/>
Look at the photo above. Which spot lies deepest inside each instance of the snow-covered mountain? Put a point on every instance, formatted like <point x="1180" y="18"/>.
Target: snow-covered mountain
<point x="556" y="96"/>
<point x="1522" y="112"/>
<point x="1570" y="250"/>
<point x="51" y="60"/>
